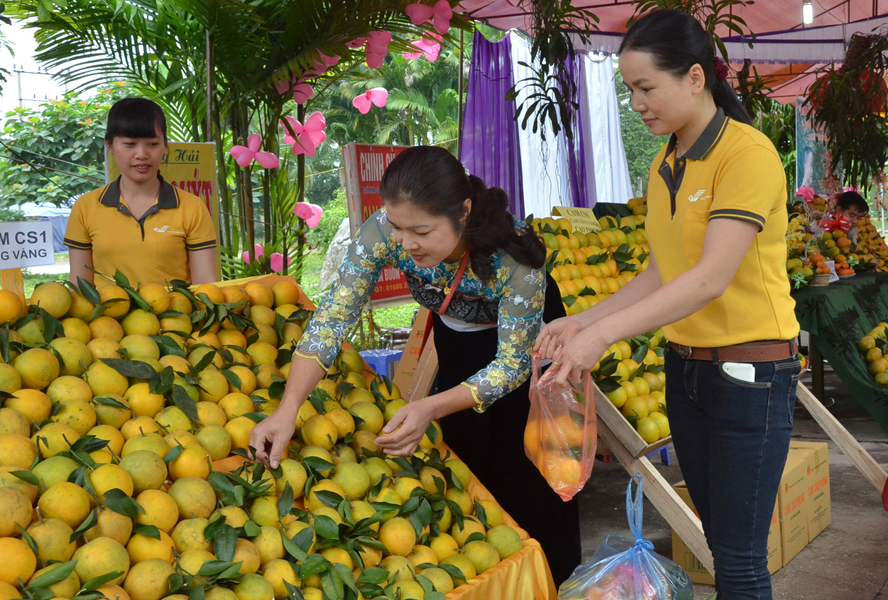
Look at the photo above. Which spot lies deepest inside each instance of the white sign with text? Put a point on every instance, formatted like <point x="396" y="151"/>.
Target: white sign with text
<point x="26" y="244"/>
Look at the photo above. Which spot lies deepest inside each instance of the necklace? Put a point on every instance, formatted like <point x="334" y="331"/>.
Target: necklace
<point x="454" y="281"/>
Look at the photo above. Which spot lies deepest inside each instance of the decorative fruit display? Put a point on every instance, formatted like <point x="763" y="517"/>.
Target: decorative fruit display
<point x="588" y="268"/>
<point x="800" y="257"/>
<point x="871" y="246"/>
<point x="125" y="471"/>
<point x="874" y="348"/>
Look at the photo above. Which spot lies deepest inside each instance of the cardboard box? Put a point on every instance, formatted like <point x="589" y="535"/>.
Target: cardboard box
<point x="802" y="510"/>
<point x="791" y="499"/>
<point x="682" y="555"/>
<point x="818" y="504"/>
<point x="413" y="350"/>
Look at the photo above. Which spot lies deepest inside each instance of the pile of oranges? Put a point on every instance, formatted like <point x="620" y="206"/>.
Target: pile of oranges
<point x="125" y="471"/>
<point x="874" y="348"/>
<point x="590" y="266"/>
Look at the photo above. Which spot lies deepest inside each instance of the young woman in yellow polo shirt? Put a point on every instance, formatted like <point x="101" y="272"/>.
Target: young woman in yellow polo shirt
<point x="140" y="224"/>
<point x="717" y="284"/>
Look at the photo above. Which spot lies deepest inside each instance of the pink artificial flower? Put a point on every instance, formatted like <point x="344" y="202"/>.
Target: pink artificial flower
<point x="258" y="252"/>
<point x="302" y="93"/>
<point x="356" y="43"/>
<point x="310" y="213"/>
<point x="377" y="48"/>
<point x="308" y="136"/>
<point x="283" y="86"/>
<point x="375" y="61"/>
<point x="440" y="14"/>
<point x="378" y="42"/>
<point x="430" y="48"/>
<point x="419" y="13"/>
<point x="328" y="61"/>
<point x="376" y="96"/>
<point x="276" y="262"/>
<point x="806" y="192"/>
<point x="244" y="155"/>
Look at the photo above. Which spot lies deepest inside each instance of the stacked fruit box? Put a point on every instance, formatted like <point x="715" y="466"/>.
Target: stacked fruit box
<point x="589" y="267"/>
<point x="125" y="471"/>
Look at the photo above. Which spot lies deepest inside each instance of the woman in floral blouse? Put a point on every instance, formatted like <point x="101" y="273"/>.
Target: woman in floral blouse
<point x="480" y="272"/>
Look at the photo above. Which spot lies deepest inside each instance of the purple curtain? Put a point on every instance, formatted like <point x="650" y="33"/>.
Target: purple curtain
<point x="489" y="142"/>
<point x="581" y="195"/>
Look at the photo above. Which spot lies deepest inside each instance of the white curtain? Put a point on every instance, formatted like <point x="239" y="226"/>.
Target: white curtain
<point x="543" y="165"/>
<point x="604" y="138"/>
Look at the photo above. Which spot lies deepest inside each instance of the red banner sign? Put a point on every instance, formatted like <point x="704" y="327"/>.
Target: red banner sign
<point x="364" y="165"/>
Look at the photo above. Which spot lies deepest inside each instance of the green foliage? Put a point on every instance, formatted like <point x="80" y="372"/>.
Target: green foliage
<point x="10" y="214"/>
<point x="850" y="103"/>
<point x="161" y="49"/>
<point x="5" y="46"/>
<point x="55" y="152"/>
<point x="552" y="84"/>
<point x="777" y="121"/>
<point x="640" y="144"/>
<point x="335" y="212"/>
<point x="422" y="107"/>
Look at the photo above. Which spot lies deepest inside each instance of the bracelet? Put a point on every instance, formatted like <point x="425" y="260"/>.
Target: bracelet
<point x="479" y="408"/>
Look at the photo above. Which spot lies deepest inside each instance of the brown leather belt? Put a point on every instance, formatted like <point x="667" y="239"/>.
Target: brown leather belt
<point x="764" y="351"/>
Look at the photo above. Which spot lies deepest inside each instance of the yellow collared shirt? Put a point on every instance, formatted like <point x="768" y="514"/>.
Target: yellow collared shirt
<point x="152" y="249"/>
<point x="731" y="172"/>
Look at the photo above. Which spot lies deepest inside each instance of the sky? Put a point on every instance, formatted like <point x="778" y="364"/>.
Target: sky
<point x="30" y="83"/>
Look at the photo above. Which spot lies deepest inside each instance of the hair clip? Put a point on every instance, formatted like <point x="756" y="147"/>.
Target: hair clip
<point x="466" y="169"/>
<point x="721" y="68"/>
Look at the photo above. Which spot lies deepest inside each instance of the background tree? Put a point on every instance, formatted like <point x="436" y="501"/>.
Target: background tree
<point x="56" y="152"/>
<point x="640" y="144"/>
<point x="5" y="47"/>
<point x="220" y="60"/>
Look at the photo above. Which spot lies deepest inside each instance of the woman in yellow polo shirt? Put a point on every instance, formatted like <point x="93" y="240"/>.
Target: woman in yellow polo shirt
<point x="140" y="224"/>
<point x="717" y="284"/>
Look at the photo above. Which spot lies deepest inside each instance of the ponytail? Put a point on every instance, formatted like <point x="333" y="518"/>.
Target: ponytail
<point x="490" y="227"/>
<point x="435" y="181"/>
<point x="726" y="99"/>
<point x="676" y="42"/>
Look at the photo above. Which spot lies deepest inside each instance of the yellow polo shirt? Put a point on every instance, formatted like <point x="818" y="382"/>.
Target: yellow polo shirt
<point x="152" y="249"/>
<point x="731" y="172"/>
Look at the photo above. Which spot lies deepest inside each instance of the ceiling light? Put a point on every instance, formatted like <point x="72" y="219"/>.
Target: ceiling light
<point x="807" y="13"/>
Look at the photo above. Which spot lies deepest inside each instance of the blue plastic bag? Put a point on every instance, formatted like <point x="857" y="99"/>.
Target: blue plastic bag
<point x="625" y="570"/>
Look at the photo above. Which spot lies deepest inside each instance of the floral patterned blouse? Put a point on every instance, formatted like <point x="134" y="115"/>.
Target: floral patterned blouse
<point x="513" y="299"/>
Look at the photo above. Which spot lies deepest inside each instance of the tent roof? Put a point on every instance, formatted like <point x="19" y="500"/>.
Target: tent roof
<point x="786" y="52"/>
<point x="761" y="17"/>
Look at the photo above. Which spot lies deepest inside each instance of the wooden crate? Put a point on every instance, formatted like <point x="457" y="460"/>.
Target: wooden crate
<point x="621" y="428"/>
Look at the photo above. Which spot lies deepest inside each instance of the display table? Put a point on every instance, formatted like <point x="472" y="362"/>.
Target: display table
<point x="837" y="316"/>
<point x="523" y="576"/>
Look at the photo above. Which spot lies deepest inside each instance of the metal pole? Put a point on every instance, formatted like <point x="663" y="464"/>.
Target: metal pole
<point x="459" y="106"/>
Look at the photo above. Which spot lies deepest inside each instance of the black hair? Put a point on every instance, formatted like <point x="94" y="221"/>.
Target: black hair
<point x="848" y="199"/>
<point x="135" y="118"/>
<point x="676" y="42"/>
<point x="434" y="180"/>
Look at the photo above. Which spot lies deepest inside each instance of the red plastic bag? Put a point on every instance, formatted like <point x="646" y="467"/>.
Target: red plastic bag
<point x="562" y="431"/>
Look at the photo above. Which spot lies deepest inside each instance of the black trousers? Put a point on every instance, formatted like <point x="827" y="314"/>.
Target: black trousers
<point x="492" y="445"/>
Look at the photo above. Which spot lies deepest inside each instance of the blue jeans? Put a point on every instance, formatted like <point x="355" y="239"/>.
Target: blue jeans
<point x="732" y="439"/>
